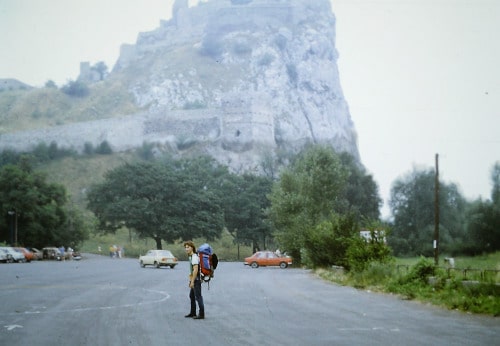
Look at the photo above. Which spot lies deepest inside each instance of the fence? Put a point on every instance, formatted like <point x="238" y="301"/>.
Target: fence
<point x="487" y="275"/>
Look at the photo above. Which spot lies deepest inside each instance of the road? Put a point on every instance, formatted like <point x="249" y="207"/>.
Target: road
<point x="104" y="301"/>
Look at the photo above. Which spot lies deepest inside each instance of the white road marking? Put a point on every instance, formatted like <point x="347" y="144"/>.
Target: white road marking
<point x="163" y="297"/>
<point x="13" y="326"/>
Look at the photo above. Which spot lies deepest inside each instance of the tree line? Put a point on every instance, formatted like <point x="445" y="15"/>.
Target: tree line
<point x="313" y="209"/>
<point x="465" y="228"/>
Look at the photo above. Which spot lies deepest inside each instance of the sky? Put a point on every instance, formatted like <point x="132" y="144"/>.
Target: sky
<point x="421" y="77"/>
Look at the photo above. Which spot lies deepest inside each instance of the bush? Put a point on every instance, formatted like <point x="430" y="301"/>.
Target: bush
<point x="420" y="272"/>
<point x="194" y="105"/>
<point x="185" y="143"/>
<point x="104" y="148"/>
<point x="146" y="151"/>
<point x="374" y="275"/>
<point x="293" y="76"/>
<point x="362" y="252"/>
<point x="265" y="60"/>
<point x="50" y="84"/>
<point x="281" y="42"/>
<point x="75" y="88"/>
<point x="211" y="46"/>
<point x="327" y="243"/>
<point x="88" y="148"/>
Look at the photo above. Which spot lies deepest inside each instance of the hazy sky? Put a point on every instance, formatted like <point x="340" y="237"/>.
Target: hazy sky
<point x="421" y="77"/>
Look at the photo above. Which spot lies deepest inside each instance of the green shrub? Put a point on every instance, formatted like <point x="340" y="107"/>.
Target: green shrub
<point x="88" y="148"/>
<point x="362" y="253"/>
<point x="194" y="105"/>
<point x="211" y="45"/>
<point x="265" y="60"/>
<point x="185" y="143"/>
<point x="104" y="148"/>
<point x="76" y="88"/>
<point x="420" y="272"/>
<point x="374" y="275"/>
<point x="50" y="84"/>
<point x="326" y="244"/>
<point x="293" y="75"/>
<point x="146" y="151"/>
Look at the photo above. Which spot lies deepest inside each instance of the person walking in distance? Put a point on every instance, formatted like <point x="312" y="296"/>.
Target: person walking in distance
<point x="194" y="282"/>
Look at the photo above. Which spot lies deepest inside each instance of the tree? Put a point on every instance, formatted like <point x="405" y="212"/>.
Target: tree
<point x="39" y="208"/>
<point x="101" y="68"/>
<point x="327" y="243"/>
<point x="361" y="193"/>
<point x="104" y="148"/>
<point x="495" y="180"/>
<point x="163" y="200"/>
<point x="483" y="228"/>
<point x="76" y="88"/>
<point x="412" y="205"/>
<point x="50" y="84"/>
<point x="484" y="220"/>
<point x="308" y="192"/>
<point x="244" y="203"/>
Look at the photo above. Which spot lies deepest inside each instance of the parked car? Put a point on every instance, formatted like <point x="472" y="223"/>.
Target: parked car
<point x="16" y="256"/>
<point x="52" y="253"/>
<point x="28" y="255"/>
<point x="158" y="258"/>
<point x="76" y="255"/>
<point x="37" y="254"/>
<point x="268" y="258"/>
<point x="5" y="256"/>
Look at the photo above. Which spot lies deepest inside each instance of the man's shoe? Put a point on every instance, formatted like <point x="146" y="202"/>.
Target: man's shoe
<point x="199" y="317"/>
<point x="190" y="315"/>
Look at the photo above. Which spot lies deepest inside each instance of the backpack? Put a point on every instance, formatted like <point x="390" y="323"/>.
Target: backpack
<point x="208" y="262"/>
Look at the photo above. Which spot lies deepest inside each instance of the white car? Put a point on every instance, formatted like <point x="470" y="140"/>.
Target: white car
<point x="158" y="258"/>
<point x="5" y="257"/>
<point x="15" y="255"/>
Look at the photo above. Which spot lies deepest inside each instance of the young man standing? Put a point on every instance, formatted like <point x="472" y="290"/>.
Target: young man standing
<point x="194" y="282"/>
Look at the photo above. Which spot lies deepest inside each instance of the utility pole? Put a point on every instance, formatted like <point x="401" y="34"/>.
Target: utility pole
<point x="436" y="213"/>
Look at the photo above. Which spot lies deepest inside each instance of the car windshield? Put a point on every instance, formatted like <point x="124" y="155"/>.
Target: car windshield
<point x="165" y="253"/>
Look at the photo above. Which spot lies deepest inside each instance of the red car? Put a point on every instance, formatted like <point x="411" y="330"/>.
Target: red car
<point x="268" y="258"/>
<point x="27" y="253"/>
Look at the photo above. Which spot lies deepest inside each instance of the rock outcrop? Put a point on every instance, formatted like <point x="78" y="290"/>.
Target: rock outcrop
<point x="238" y="79"/>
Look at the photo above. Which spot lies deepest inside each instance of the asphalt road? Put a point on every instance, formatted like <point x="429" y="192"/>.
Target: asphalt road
<point x="104" y="301"/>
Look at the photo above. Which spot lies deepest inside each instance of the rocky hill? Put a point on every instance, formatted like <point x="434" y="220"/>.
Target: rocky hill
<point x="13" y="84"/>
<point x="237" y="79"/>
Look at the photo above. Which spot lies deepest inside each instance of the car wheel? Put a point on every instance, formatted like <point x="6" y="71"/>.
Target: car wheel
<point x="172" y="266"/>
<point x="283" y="265"/>
<point x="254" y="265"/>
<point x="142" y="264"/>
<point x="157" y="264"/>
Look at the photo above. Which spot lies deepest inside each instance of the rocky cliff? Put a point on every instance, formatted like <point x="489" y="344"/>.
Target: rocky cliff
<point x="237" y="79"/>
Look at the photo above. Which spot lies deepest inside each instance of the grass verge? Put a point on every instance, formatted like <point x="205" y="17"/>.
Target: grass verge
<point x="425" y="283"/>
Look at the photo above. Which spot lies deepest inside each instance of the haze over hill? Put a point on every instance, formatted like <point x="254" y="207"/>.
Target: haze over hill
<point x="239" y="80"/>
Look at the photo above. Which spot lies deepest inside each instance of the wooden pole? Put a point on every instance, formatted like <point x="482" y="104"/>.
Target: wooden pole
<point x="436" y="213"/>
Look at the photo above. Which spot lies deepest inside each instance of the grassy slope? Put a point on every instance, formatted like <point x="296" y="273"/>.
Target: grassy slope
<point x="78" y="173"/>
<point x="22" y="110"/>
